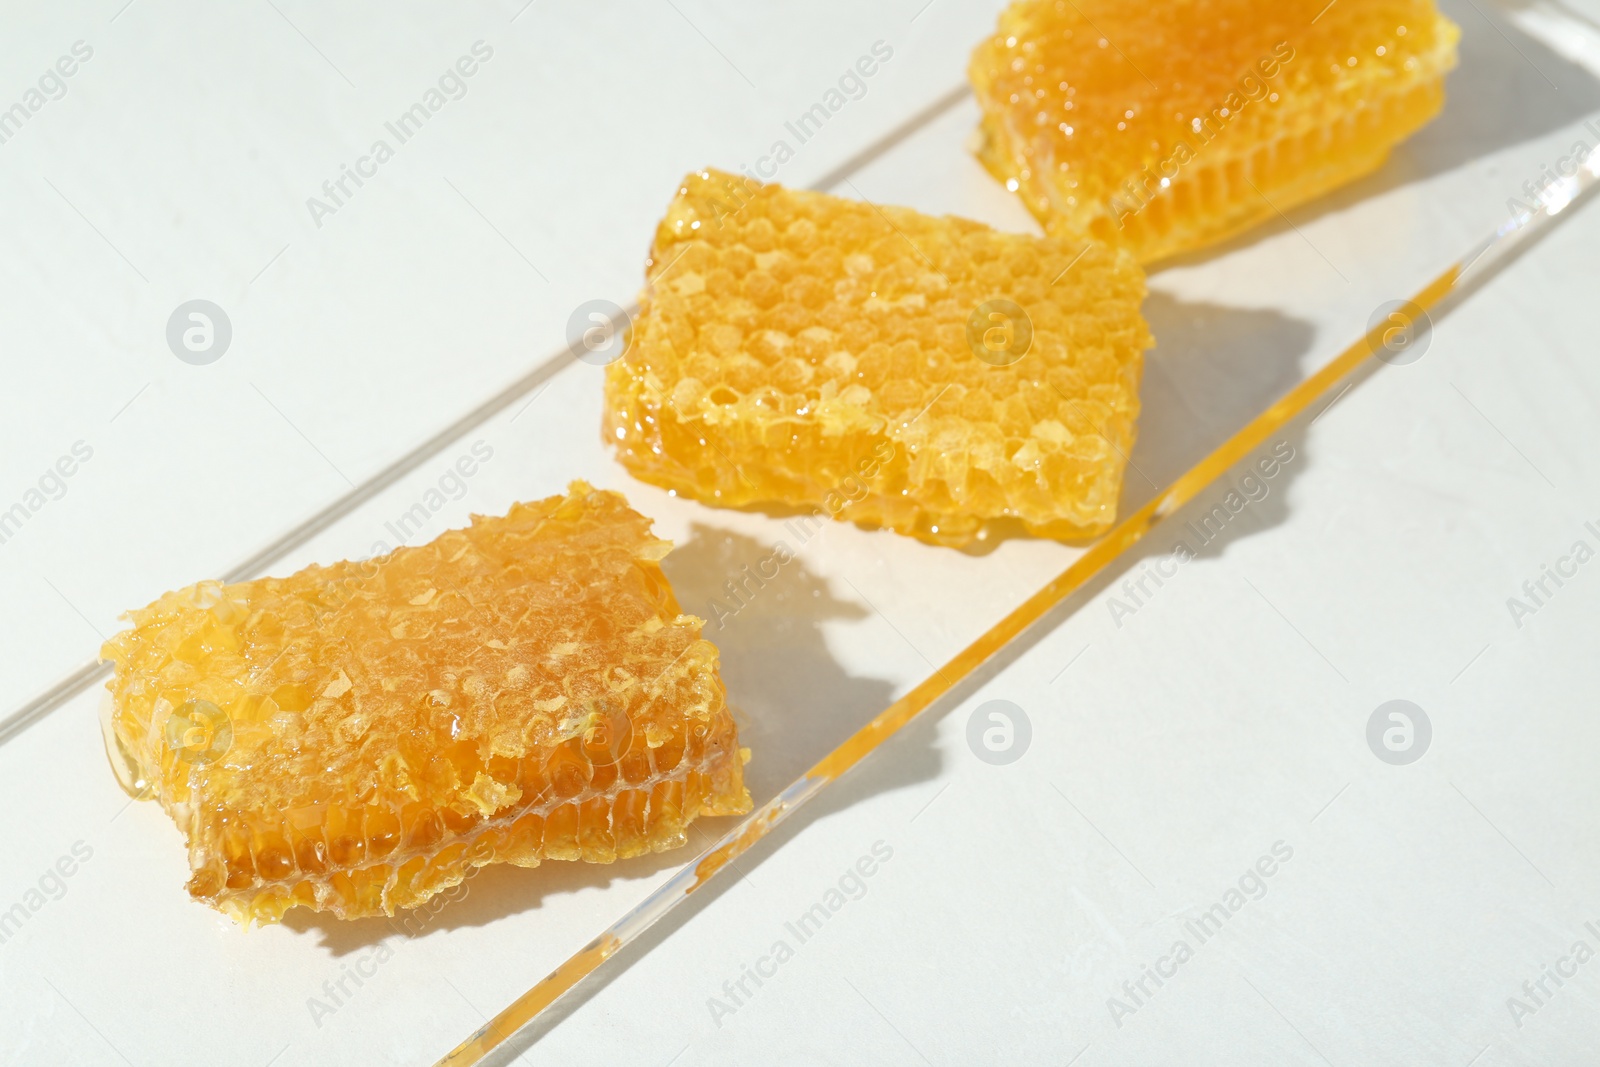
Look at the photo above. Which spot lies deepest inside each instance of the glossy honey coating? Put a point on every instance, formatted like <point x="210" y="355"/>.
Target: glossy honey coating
<point x="814" y="352"/>
<point x="1172" y="125"/>
<point x="356" y="738"/>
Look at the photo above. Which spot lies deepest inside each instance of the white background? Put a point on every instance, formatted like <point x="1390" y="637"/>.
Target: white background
<point x="1170" y="748"/>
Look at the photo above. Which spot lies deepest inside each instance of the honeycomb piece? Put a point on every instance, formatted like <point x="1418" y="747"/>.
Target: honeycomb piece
<point x="358" y="738"/>
<point x="1172" y="125"/>
<point x="804" y="350"/>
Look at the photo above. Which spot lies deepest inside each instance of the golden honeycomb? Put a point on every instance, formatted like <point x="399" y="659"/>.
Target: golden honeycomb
<point x="357" y="738"/>
<point x="881" y="366"/>
<point x="1171" y="125"/>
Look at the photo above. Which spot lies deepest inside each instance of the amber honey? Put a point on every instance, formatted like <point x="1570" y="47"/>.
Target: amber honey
<point x="1169" y="126"/>
<point x="878" y="365"/>
<point x="357" y="738"/>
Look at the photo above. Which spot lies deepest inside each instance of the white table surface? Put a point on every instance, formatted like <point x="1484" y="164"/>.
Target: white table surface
<point x="1171" y="747"/>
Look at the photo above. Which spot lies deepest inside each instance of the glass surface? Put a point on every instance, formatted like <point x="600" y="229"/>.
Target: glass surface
<point x="854" y="623"/>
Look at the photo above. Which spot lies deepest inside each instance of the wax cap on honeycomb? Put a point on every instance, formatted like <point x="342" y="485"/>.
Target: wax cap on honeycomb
<point x="357" y="738"/>
<point x="877" y="365"/>
<point x="1172" y="125"/>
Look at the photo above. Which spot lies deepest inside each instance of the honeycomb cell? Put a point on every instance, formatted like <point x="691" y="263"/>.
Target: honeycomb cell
<point x="877" y="365"/>
<point x="1173" y="125"/>
<point x="357" y="738"/>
